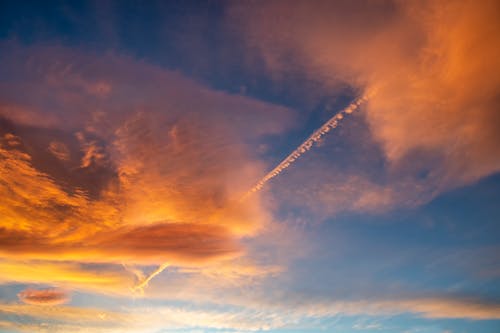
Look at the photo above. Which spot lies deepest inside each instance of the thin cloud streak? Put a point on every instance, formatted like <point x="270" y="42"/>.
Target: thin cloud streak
<point x="316" y="136"/>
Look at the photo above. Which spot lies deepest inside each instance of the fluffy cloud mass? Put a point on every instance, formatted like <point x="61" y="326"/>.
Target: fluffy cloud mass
<point x="435" y="65"/>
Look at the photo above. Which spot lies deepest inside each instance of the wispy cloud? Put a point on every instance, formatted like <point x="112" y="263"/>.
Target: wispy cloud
<point x="247" y="319"/>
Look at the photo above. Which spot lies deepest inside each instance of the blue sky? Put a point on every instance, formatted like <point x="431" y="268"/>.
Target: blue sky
<point x="132" y="135"/>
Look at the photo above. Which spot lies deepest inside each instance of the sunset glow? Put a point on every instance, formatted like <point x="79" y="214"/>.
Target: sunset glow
<point x="250" y="166"/>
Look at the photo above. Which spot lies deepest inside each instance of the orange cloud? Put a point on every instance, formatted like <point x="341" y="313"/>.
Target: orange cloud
<point x="32" y="196"/>
<point x="44" y="296"/>
<point x="139" y="178"/>
<point x="59" y="150"/>
<point x="435" y="65"/>
<point x="180" y="243"/>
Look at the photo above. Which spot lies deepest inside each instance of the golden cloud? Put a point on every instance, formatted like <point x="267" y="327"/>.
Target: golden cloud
<point x="105" y="279"/>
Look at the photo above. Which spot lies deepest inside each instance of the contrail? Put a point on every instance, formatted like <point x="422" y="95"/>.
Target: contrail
<point x="308" y="143"/>
<point x="144" y="283"/>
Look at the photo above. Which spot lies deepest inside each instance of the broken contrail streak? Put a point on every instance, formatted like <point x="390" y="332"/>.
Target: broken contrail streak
<point x="308" y="143"/>
<point x="145" y="282"/>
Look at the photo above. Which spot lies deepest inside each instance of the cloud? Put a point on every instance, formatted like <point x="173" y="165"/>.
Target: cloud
<point x="44" y="296"/>
<point x="422" y="307"/>
<point x="104" y="279"/>
<point x="434" y="63"/>
<point x="59" y="150"/>
<point x="64" y="319"/>
<point x="326" y="190"/>
<point x="33" y="196"/>
<point x="137" y="164"/>
<point x="249" y="318"/>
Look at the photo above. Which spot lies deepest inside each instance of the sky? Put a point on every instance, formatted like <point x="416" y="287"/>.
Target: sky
<point x="250" y="166"/>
